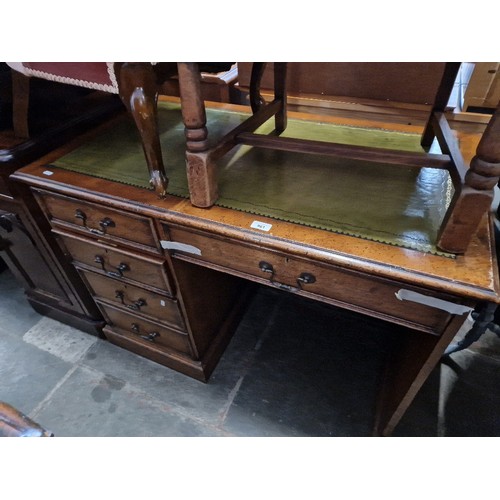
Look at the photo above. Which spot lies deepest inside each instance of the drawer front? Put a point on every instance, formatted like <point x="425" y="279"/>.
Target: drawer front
<point x="356" y="291"/>
<point x="118" y="264"/>
<point x="136" y="299"/>
<point x="97" y="221"/>
<point x="145" y="331"/>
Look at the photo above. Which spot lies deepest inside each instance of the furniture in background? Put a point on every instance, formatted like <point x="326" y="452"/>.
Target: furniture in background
<point x="57" y="114"/>
<point x="482" y="93"/>
<point x="14" y="423"/>
<point x="473" y="184"/>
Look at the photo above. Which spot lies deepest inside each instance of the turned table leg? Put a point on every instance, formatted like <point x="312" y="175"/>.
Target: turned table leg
<point x="201" y="172"/>
<point x="138" y="90"/>
<point x="475" y="198"/>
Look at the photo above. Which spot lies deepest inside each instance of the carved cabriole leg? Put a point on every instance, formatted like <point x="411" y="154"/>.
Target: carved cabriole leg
<point x="138" y="90"/>
<point x="20" y="104"/>
<point x="200" y="167"/>
<point x="476" y="195"/>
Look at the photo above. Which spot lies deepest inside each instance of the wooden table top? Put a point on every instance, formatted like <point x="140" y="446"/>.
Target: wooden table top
<point x="473" y="275"/>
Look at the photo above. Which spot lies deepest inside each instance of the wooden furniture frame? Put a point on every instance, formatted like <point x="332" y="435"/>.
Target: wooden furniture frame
<point x="473" y="184"/>
<point x="350" y="273"/>
<point x="51" y="287"/>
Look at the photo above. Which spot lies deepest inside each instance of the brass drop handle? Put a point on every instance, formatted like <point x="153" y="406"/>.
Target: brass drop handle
<point x="265" y="267"/>
<point x="135" y="306"/>
<point x="99" y="260"/>
<point x="303" y="279"/>
<point x="120" y="268"/>
<point x="150" y="337"/>
<point x="104" y="223"/>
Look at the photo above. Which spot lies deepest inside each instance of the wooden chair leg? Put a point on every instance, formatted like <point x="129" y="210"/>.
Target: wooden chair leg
<point x="256" y="99"/>
<point x="138" y="90"/>
<point x="20" y="104"/>
<point x="280" y="119"/>
<point x="441" y="101"/>
<point x="201" y="171"/>
<point x="475" y="198"/>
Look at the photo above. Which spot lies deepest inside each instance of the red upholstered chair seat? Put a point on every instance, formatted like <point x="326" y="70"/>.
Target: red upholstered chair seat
<point x="92" y="75"/>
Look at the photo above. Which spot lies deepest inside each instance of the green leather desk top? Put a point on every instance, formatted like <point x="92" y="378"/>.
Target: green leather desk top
<point x="393" y="204"/>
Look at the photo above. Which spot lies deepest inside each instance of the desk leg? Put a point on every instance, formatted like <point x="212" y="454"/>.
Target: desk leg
<point x="416" y="357"/>
<point x="201" y="172"/>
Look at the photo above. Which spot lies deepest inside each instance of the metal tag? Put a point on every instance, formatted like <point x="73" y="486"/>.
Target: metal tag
<point x="444" y="305"/>
<point x="182" y="247"/>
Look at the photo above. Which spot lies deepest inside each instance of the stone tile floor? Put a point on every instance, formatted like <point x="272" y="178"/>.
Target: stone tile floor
<point x="293" y="368"/>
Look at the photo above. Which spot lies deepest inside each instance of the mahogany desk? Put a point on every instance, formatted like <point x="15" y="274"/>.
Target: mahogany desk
<point x="204" y="257"/>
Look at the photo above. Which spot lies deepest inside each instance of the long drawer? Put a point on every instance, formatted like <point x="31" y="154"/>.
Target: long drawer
<point x="136" y="299"/>
<point x="96" y="221"/>
<point x="145" y="331"/>
<point x="120" y="264"/>
<point x="368" y="294"/>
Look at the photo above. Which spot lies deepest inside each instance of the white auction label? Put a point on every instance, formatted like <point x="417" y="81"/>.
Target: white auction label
<point x="263" y="226"/>
<point x="48" y="172"/>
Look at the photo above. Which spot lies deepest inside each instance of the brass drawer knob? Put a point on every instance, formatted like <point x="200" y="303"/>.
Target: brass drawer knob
<point x="265" y="267"/>
<point x="305" y="278"/>
<point x="104" y="223"/>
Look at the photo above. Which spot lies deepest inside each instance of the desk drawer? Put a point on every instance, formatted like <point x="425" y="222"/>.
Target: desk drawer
<point x="137" y="299"/>
<point x="346" y="288"/>
<point x="145" y="331"/>
<point x="97" y="221"/>
<point x="119" y="264"/>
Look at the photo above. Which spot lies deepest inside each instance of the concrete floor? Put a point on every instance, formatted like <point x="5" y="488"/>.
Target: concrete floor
<point x="293" y="368"/>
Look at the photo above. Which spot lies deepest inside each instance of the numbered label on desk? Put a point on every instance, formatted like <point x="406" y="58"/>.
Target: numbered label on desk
<point x="263" y="226"/>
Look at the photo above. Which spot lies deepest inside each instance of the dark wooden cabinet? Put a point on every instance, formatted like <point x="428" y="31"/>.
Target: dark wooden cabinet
<point x="57" y="113"/>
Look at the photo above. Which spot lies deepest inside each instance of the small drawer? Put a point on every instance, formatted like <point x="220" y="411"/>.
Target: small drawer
<point x="146" y="331"/>
<point x="136" y="299"/>
<point x="96" y="221"/>
<point x="346" y="288"/>
<point x="119" y="264"/>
